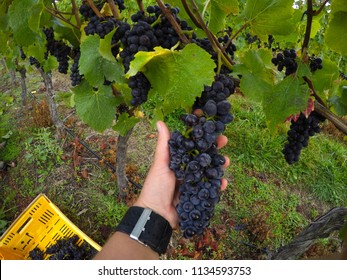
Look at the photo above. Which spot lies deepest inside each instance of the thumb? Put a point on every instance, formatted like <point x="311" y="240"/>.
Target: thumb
<point x="162" y="150"/>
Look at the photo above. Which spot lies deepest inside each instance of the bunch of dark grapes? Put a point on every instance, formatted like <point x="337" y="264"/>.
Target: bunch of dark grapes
<point x="87" y="12"/>
<point x="140" y="86"/>
<point x="343" y="76"/>
<point x="286" y="60"/>
<point x="315" y="63"/>
<point x="140" y="38"/>
<point x="58" y="49"/>
<point x="49" y="33"/>
<point x="120" y="4"/>
<point x="75" y="75"/>
<point x="100" y="26"/>
<point x="194" y="156"/>
<point x="144" y="35"/>
<point x="65" y="249"/>
<point x="231" y="48"/>
<point x="298" y="135"/>
<point x="251" y="39"/>
<point x="61" y="53"/>
<point x="205" y="44"/>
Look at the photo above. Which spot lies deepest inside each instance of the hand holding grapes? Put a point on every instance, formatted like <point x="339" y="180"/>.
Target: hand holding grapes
<point x="159" y="192"/>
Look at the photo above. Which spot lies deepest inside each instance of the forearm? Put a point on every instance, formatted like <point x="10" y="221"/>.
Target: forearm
<point x="121" y="247"/>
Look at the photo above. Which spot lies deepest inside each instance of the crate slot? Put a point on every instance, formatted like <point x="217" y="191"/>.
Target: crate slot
<point x="23" y="225"/>
<point x="43" y="238"/>
<point x="43" y="220"/>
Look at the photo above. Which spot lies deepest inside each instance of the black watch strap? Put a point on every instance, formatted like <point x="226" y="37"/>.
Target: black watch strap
<point x="147" y="227"/>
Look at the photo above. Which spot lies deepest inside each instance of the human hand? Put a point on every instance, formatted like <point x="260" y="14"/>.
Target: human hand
<point x="159" y="191"/>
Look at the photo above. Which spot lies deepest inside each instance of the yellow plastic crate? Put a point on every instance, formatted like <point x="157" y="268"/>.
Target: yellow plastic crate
<point x="40" y="225"/>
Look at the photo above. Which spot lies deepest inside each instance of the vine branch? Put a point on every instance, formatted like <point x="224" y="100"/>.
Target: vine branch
<point x="114" y="10"/>
<point x="190" y="14"/>
<point x="315" y="13"/>
<point x="61" y="13"/>
<point x="214" y="42"/>
<point x="59" y="16"/>
<point x="314" y="93"/>
<point x="94" y="8"/>
<point x="173" y="22"/>
<point x="75" y="11"/>
<point x="309" y="14"/>
<point x="339" y="124"/>
<point x="244" y="26"/>
<point x="141" y="6"/>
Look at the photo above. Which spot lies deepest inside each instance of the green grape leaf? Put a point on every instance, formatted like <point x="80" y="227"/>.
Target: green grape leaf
<point x="97" y="108"/>
<point x="24" y="20"/>
<point x="105" y="47"/>
<point x="287" y="97"/>
<point x="338" y="6"/>
<point x="254" y="87"/>
<point x="177" y="76"/>
<point x="257" y="73"/>
<point x="96" y="63"/>
<point x="50" y="63"/>
<point x="125" y="123"/>
<point x="37" y="50"/>
<point x="219" y="11"/>
<point x="324" y="78"/>
<point x="339" y="101"/>
<point x="67" y="32"/>
<point x="4" y="37"/>
<point x="3" y="22"/>
<point x="336" y="33"/>
<point x="269" y="17"/>
<point x="303" y="70"/>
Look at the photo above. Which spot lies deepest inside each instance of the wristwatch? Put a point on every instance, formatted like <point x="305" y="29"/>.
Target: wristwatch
<point x="146" y="227"/>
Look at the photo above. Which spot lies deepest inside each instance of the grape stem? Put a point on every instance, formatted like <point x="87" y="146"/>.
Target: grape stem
<point x="214" y="42"/>
<point x="75" y="11"/>
<point x="315" y="13"/>
<point x="141" y="6"/>
<point x="309" y="14"/>
<point x="173" y="22"/>
<point x="190" y="14"/>
<point x="94" y="8"/>
<point x="114" y="10"/>
<point x="314" y="93"/>
<point x="58" y="15"/>
<point x="235" y="35"/>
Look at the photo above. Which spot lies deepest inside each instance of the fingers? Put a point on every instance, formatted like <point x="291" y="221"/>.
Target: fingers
<point x="222" y="140"/>
<point x="162" y="150"/>
<point x="227" y="162"/>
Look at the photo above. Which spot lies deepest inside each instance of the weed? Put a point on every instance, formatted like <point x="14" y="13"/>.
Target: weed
<point x="12" y="148"/>
<point x="44" y="152"/>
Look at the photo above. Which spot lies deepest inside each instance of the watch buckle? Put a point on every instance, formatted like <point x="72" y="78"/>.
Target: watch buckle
<point x="140" y="225"/>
